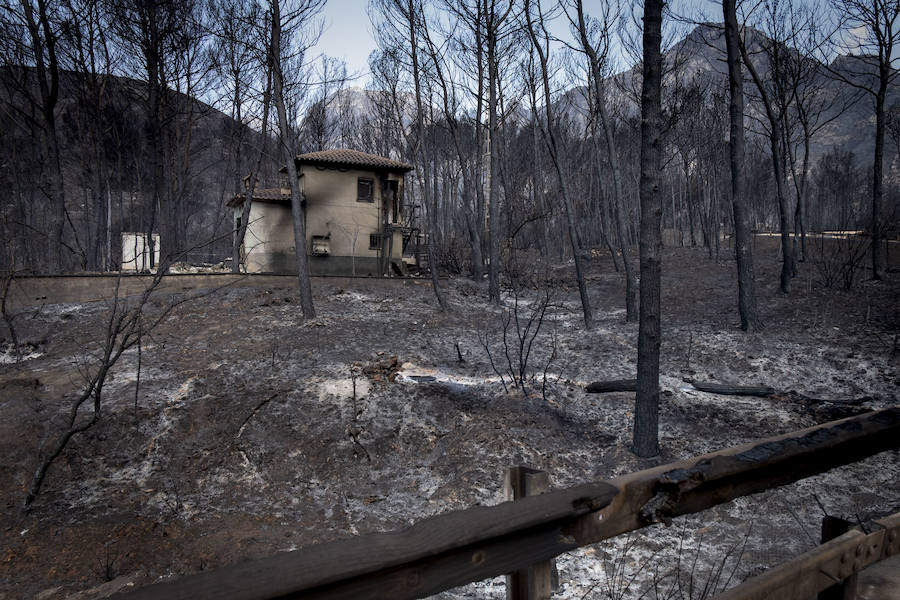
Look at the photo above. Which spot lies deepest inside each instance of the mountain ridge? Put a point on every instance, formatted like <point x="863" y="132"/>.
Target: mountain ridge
<point x="701" y="54"/>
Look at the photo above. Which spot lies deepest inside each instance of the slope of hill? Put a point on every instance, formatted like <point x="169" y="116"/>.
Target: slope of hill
<point x="106" y="160"/>
<point x="847" y="118"/>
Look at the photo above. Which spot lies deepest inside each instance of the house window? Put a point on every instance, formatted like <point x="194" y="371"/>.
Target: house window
<point x="365" y="190"/>
<point x="374" y="241"/>
<point x="320" y="246"/>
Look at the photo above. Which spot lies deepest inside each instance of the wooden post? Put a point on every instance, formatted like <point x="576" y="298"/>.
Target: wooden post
<point x="833" y="527"/>
<point x="538" y="581"/>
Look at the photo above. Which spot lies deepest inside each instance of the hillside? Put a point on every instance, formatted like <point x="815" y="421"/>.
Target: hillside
<point x="239" y="432"/>
<point x="106" y="160"/>
<point x="699" y="60"/>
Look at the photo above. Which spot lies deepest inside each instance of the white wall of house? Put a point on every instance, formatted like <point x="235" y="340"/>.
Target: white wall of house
<point x="270" y="236"/>
<point x="334" y="214"/>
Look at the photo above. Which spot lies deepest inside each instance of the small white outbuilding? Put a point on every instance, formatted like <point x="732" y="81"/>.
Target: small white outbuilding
<point x="137" y="254"/>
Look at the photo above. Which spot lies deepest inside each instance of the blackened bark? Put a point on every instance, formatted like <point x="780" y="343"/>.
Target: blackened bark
<point x="743" y="248"/>
<point x="155" y="91"/>
<point x="800" y="183"/>
<point x="775" y="146"/>
<point x="613" y="385"/>
<point x="878" y="168"/>
<point x="646" y="405"/>
<point x="297" y="208"/>
<point x="472" y="219"/>
<point x="494" y="167"/>
<point x="727" y="389"/>
<point x="877" y="24"/>
<point x="784" y="214"/>
<point x="478" y="267"/>
<point x="619" y="209"/>
<point x="473" y="225"/>
<point x="595" y="61"/>
<point x="553" y="150"/>
<point x="420" y="126"/>
<point x="43" y="41"/>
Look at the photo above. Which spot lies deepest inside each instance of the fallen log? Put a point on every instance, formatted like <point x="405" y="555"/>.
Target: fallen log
<point x="798" y="397"/>
<point x="615" y="385"/>
<point x="629" y="385"/>
<point x="727" y="389"/>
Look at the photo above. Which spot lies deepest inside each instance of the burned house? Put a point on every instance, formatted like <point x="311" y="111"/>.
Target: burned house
<point x="354" y="214"/>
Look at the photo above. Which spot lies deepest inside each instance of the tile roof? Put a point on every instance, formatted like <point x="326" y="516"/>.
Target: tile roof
<point x="352" y="158"/>
<point x="260" y="194"/>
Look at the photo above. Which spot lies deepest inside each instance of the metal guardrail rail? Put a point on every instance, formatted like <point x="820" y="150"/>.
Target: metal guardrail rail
<point x="459" y="547"/>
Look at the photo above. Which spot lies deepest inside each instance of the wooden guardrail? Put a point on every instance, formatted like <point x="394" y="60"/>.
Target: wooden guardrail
<point x="823" y="566"/>
<point x="459" y="547"/>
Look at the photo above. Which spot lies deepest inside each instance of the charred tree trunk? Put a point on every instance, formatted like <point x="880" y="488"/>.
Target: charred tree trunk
<point x="876" y="25"/>
<point x="878" y="171"/>
<point x="743" y="248"/>
<point x="552" y="148"/>
<point x="494" y="190"/>
<point x="297" y="207"/>
<point x="478" y="268"/>
<point x="646" y="404"/>
<point x="800" y="183"/>
<point x="420" y="151"/>
<point x="470" y="204"/>
<point x="788" y="268"/>
<point x="595" y="61"/>
<point x="43" y="42"/>
<point x="619" y="203"/>
<point x="689" y="202"/>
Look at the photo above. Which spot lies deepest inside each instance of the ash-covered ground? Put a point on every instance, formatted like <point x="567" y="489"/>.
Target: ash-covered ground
<point x="252" y="433"/>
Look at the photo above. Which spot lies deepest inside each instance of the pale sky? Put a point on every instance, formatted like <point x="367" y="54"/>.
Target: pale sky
<point x="348" y="35"/>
